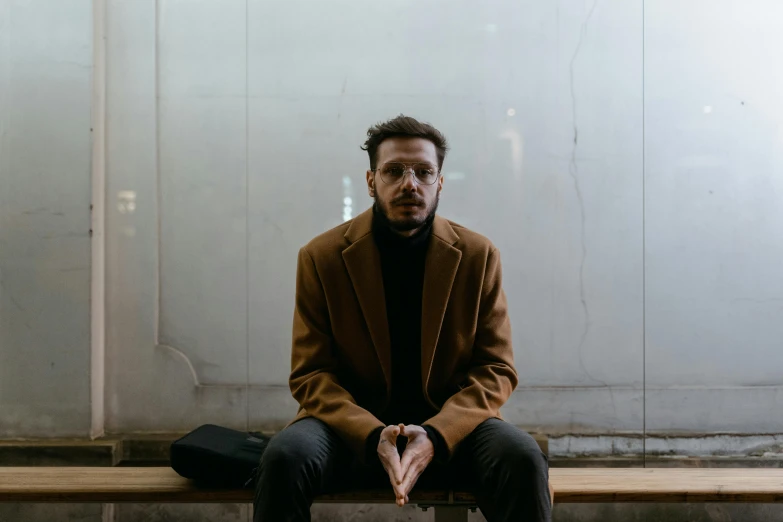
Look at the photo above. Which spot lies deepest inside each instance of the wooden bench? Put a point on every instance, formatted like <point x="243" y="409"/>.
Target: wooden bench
<point x="163" y="485"/>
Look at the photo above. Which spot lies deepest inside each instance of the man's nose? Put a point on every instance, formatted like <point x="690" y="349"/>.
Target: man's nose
<point x="408" y="183"/>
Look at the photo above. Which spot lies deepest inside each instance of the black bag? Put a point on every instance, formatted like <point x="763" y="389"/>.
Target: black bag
<point x="218" y="457"/>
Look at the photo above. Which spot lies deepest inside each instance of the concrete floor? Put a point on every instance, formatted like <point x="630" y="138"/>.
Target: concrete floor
<point x="383" y="513"/>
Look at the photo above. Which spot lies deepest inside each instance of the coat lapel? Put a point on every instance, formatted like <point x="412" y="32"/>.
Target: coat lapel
<point x="363" y="262"/>
<point x="440" y="268"/>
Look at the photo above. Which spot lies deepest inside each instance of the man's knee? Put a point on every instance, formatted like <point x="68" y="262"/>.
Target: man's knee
<point x="288" y="454"/>
<point x="291" y="471"/>
<point x="522" y="457"/>
<point x="299" y="450"/>
<point x="282" y="460"/>
<point x="527" y="461"/>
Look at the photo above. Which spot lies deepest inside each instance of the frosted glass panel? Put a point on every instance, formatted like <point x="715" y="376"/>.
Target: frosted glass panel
<point x="202" y="171"/>
<point x="625" y="161"/>
<point x="45" y="266"/>
<point x="713" y="79"/>
<point x="543" y="110"/>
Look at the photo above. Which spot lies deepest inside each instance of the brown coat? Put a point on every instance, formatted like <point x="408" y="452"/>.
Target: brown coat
<point x="341" y="357"/>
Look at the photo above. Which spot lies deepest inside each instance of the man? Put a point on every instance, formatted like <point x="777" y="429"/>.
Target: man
<point x="402" y="354"/>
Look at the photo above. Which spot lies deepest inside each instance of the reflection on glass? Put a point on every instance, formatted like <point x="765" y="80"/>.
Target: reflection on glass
<point x="126" y="201"/>
<point x="347" y="198"/>
<point x="515" y="143"/>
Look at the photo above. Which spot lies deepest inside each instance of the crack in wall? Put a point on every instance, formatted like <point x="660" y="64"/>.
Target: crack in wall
<point x="573" y="170"/>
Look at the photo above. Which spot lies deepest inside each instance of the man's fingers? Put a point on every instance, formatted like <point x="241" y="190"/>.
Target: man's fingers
<point x="397" y="473"/>
<point x="411" y="478"/>
<point x="395" y="482"/>
<point x="412" y="450"/>
<point x="405" y="462"/>
<point x="409" y="431"/>
<point x="399" y="493"/>
<point x="414" y="470"/>
<point x="396" y="486"/>
<point x="390" y="455"/>
<point x="387" y="450"/>
<point x="395" y="432"/>
<point x="391" y="433"/>
<point x="404" y="471"/>
<point x="391" y="463"/>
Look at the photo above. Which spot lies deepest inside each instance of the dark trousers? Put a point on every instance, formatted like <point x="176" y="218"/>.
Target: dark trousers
<point x="499" y="463"/>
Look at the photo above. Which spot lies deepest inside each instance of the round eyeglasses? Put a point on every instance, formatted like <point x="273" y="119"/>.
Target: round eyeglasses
<point x="393" y="172"/>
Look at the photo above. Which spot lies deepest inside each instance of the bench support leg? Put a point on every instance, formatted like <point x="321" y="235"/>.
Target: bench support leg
<point x="451" y="514"/>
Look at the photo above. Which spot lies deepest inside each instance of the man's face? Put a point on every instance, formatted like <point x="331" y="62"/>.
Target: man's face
<point x="407" y="204"/>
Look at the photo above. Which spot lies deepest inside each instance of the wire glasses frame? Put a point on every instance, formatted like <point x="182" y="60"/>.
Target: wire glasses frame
<point x="394" y="172"/>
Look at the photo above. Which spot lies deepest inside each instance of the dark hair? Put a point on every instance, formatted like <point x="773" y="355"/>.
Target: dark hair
<point x="407" y="127"/>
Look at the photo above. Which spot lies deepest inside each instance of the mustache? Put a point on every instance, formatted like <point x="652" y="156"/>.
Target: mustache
<point x="406" y="200"/>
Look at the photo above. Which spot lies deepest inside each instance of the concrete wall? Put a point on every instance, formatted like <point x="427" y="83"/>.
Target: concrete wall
<point x="626" y="162"/>
<point x="45" y="96"/>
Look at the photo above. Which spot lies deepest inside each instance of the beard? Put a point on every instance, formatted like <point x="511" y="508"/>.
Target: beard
<point x="383" y="211"/>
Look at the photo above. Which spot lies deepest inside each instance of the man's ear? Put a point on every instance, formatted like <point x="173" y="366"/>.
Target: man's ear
<point x="371" y="183"/>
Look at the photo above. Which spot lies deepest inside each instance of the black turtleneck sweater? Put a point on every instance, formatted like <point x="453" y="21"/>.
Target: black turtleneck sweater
<point x="402" y="265"/>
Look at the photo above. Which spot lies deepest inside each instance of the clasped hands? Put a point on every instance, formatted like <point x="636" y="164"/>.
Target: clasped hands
<point x="405" y="470"/>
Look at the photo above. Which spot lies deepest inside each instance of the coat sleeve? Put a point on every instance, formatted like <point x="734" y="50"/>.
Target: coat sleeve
<point x="313" y="381"/>
<point x="491" y="377"/>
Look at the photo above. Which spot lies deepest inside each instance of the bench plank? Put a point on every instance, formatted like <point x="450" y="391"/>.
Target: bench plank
<point x="94" y="484"/>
